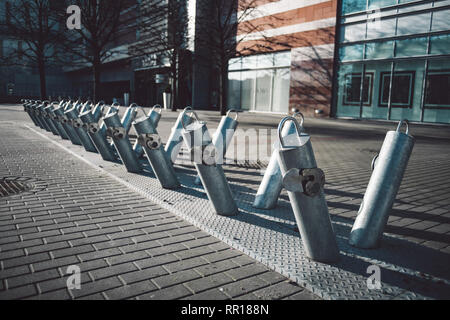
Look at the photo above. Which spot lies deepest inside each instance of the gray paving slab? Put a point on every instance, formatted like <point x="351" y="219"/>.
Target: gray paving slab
<point x="271" y="236"/>
<point x="124" y="251"/>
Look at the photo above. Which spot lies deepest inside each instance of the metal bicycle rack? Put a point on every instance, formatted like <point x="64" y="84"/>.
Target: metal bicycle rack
<point x="223" y="136"/>
<point x="90" y="120"/>
<point x="64" y="121"/>
<point x="272" y="183"/>
<point x="304" y="183"/>
<point x="150" y="141"/>
<point x="39" y="109"/>
<point x="203" y="153"/>
<point x="121" y="142"/>
<point x="154" y="116"/>
<point x="388" y="170"/>
<point x="175" y="140"/>
<point x="74" y="121"/>
<point x="54" y="118"/>
<point x="46" y="111"/>
<point x="26" y="108"/>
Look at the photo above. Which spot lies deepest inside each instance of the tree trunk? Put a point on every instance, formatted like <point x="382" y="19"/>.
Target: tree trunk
<point x="224" y="88"/>
<point x="96" y="66"/>
<point x="42" y="79"/>
<point x="175" y="81"/>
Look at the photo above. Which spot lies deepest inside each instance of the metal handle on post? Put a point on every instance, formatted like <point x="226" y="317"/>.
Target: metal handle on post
<point x="297" y="126"/>
<point x="233" y="110"/>
<point x="188" y="109"/>
<point x="404" y="121"/>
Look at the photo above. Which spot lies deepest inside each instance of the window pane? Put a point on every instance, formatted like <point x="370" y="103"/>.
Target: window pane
<point x="402" y="88"/>
<point x="247" y="89"/>
<point x="349" y="53"/>
<point x="352" y="89"/>
<point x="347" y="92"/>
<point x="413" y="112"/>
<point x="263" y="90"/>
<point x="411" y="47"/>
<point x="412" y="24"/>
<point x="441" y="20"/>
<point x="283" y="59"/>
<point x="437" y="89"/>
<point x="235" y="64"/>
<point x="353" y="32"/>
<point x="373" y="111"/>
<point x="249" y="62"/>
<point x="437" y="106"/>
<point x="380" y="28"/>
<point x="234" y="90"/>
<point x="440" y="44"/>
<point x="281" y="88"/>
<point x="379" y="50"/>
<point x="349" y="6"/>
<point x="374" y="4"/>
<point x="265" y="61"/>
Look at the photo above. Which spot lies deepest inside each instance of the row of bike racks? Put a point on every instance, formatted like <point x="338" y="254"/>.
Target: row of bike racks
<point x="292" y="165"/>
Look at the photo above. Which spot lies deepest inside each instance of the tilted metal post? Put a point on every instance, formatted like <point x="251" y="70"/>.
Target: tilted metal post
<point x="304" y="183"/>
<point x="387" y="175"/>
<point x="272" y="183"/>
<point x="74" y="121"/>
<point x="26" y="108"/>
<point x="154" y="116"/>
<point x="222" y="137"/>
<point x="90" y="120"/>
<point x="64" y="121"/>
<point x="150" y="141"/>
<point x="46" y="111"/>
<point x="54" y="118"/>
<point x="117" y="132"/>
<point x="40" y="114"/>
<point x="175" y="140"/>
<point x="35" y="111"/>
<point x="203" y="152"/>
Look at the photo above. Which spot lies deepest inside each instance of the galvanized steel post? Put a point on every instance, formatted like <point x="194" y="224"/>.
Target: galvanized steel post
<point x="55" y="121"/>
<point x="90" y="120"/>
<point x="304" y="183"/>
<point x="272" y="183"/>
<point x="117" y="132"/>
<point x="175" y="140"/>
<point x="74" y="121"/>
<point x="64" y="121"/>
<point x="203" y="153"/>
<point x="388" y="170"/>
<point x="150" y="141"/>
<point x="154" y="116"/>
<point x="222" y="137"/>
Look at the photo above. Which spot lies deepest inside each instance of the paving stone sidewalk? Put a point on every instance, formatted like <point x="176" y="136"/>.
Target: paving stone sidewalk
<point x="415" y="251"/>
<point x="126" y="246"/>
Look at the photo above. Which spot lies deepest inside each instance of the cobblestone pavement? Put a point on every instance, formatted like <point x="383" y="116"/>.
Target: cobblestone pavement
<point x="126" y="246"/>
<point x="344" y="150"/>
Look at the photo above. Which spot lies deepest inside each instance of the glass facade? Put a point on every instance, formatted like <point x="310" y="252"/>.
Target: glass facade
<point x="260" y="82"/>
<point x="394" y="60"/>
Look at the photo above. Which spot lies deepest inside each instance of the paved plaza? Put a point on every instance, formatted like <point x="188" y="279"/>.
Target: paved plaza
<point x="134" y="240"/>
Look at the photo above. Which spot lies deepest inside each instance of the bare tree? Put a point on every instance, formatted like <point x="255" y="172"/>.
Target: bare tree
<point x="103" y="24"/>
<point x="34" y="25"/>
<point x="163" y="28"/>
<point x="227" y="26"/>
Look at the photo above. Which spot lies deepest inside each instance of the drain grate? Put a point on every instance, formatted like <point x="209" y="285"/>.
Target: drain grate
<point x="10" y="186"/>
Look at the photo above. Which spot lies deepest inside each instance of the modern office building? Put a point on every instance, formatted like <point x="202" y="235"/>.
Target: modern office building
<point x="374" y="59"/>
<point x="369" y="59"/>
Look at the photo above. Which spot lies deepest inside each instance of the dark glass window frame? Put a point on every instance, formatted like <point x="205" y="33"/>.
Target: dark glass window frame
<point x="428" y="105"/>
<point x="357" y="103"/>
<point x="386" y="76"/>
